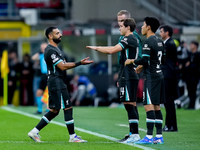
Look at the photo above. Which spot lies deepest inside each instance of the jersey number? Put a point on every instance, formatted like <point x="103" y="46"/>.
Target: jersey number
<point x="159" y="59"/>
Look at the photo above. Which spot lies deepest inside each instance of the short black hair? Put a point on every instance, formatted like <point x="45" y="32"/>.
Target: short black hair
<point x="153" y="22"/>
<point x="195" y="43"/>
<point x="167" y="28"/>
<point x="49" y="30"/>
<point x="130" y="22"/>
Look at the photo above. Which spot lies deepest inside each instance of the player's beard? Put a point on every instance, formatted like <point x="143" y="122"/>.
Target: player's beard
<point x="57" y="40"/>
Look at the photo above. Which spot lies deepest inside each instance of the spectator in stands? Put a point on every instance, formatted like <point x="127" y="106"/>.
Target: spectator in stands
<point x="113" y="91"/>
<point x="182" y="56"/>
<point x="26" y="81"/>
<point x="192" y="67"/>
<point x="12" y="76"/>
<point x="83" y="90"/>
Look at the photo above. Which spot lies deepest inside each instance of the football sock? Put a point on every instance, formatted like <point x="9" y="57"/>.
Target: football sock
<point x="133" y="118"/>
<point x="35" y="130"/>
<point x="149" y="136"/>
<point x="71" y="136"/>
<point x="135" y="107"/>
<point x="150" y="121"/>
<point x="46" y="119"/>
<point x="158" y="122"/>
<point x="158" y="135"/>
<point x="69" y="121"/>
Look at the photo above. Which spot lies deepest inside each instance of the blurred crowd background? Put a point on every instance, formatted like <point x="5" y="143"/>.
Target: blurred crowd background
<point x="88" y="22"/>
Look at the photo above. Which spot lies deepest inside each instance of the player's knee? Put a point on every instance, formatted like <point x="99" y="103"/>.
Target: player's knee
<point x="55" y="111"/>
<point x="130" y="103"/>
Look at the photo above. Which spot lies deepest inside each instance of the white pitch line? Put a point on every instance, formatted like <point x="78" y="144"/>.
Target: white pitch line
<point x="76" y="128"/>
<point x="125" y="125"/>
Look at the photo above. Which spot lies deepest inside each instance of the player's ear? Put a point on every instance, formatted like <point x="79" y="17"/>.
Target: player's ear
<point x="50" y="36"/>
<point x="149" y="27"/>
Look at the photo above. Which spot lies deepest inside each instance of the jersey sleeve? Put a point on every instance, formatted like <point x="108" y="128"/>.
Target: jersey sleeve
<point x="54" y="58"/>
<point x="146" y="51"/>
<point x="124" y="42"/>
<point x="139" y="44"/>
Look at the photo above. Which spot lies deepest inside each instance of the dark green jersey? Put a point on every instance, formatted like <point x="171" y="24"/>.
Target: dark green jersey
<point x="53" y="56"/>
<point x="153" y="50"/>
<point x="139" y="44"/>
<point x="130" y="50"/>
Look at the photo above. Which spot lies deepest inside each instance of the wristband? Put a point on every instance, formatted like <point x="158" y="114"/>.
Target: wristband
<point x="78" y="63"/>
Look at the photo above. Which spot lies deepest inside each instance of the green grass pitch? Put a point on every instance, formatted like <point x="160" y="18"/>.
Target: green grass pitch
<point x="100" y="126"/>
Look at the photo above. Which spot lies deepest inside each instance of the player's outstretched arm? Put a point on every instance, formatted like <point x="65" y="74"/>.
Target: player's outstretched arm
<point x="92" y="47"/>
<point x="106" y="49"/>
<point x="69" y="65"/>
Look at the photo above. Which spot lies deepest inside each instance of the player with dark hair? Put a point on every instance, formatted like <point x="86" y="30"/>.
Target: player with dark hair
<point x="170" y="77"/>
<point x="58" y="94"/>
<point x="153" y="94"/>
<point x="128" y="79"/>
<point x="121" y="16"/>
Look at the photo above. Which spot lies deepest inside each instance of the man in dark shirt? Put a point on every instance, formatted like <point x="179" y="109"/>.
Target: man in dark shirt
<point x="153" y="94"/>
<point x="170" y="77"/>
<point x="58" y="94"/>
<point x="128" y="79"/>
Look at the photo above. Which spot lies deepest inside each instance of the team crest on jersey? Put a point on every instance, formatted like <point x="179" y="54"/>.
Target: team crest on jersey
<point x="125" y="40"/>
<point x="54" y="58"/>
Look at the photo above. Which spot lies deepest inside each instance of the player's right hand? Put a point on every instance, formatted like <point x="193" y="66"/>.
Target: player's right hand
<point x="92" y="47"/>
<point x="86" y="61"/>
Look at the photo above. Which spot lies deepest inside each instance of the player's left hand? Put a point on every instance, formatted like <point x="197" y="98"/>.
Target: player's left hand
<point x="92" y="47"/>
<point x="86" y="61"/>
<point x="139" y="69"/>
<point x="128" y="61"/>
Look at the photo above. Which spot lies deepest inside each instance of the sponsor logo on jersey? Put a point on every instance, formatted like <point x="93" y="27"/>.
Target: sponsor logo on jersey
<point x="146" y="47"/>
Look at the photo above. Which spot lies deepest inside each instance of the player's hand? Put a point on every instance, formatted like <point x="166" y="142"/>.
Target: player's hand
<point x="92" y="47"/>
<point x="129" y="61"/>
<point x="187" y="64"/>
<point x="139" y="69"/>
<point x="117" y="84"/>
<point x="86" y="61"/>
